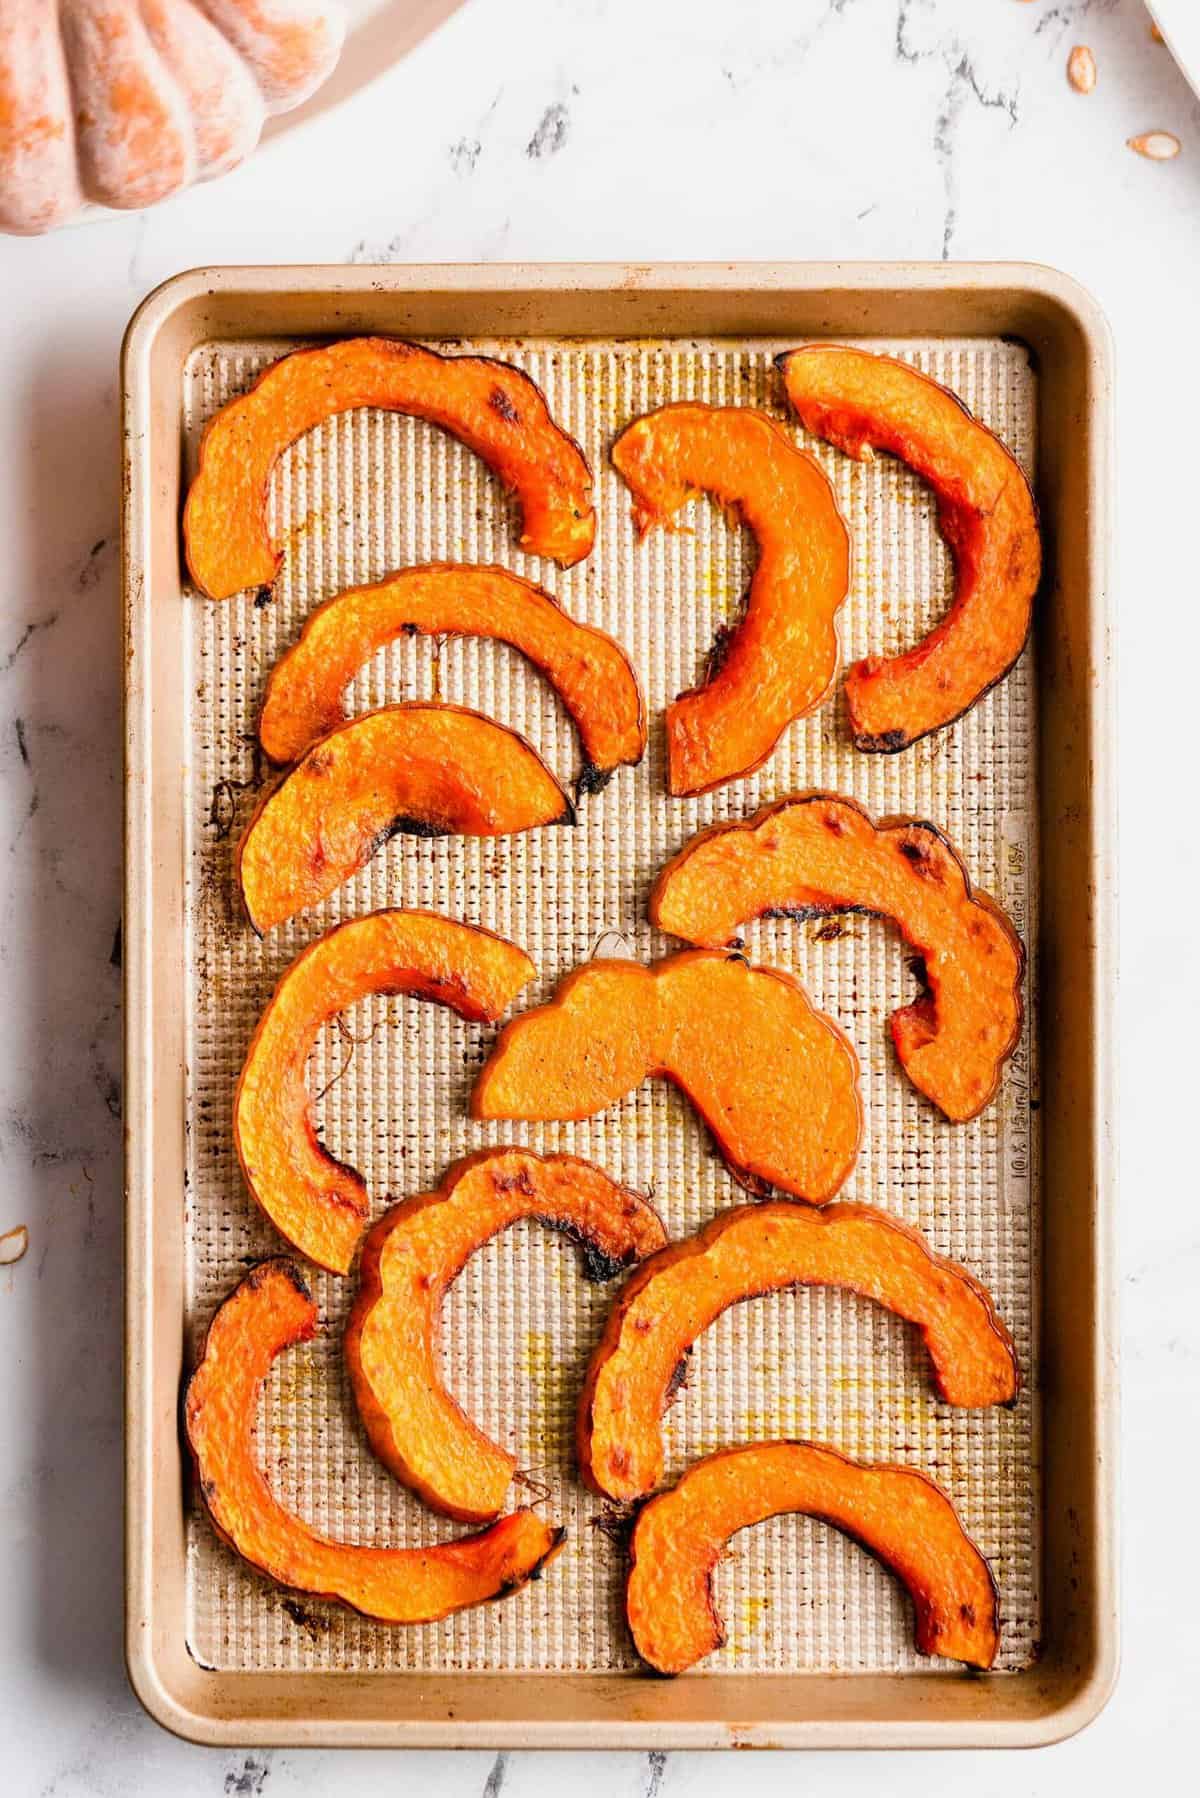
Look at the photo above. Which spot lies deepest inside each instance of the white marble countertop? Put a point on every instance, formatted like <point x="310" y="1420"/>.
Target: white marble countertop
<point x="561" y="129"/>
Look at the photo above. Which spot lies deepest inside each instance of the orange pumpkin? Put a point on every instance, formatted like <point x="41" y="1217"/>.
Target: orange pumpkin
<point x="123" y="102"/>
<point x="421" y="770"/>
<point x="774" y="1079"/>
<point x="267" y="1313"/>
<point x="591" y="673"/>
<point x="781" y="659"/>
<point x="319" y="1203"/>
<point x="676" y="1295"/>
<point x="986" y="511"/>
<point x="492" y="407"/>
<point x="901" y="1516"/>
<point x="817" y="852"/>
<point x="413" y="1254"/>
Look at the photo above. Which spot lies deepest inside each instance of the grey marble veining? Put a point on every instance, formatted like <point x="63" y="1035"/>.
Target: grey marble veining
<point x="532" y="129"/>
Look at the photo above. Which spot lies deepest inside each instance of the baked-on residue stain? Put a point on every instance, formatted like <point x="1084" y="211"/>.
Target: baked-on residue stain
<point x="13" y="1245"/>
<point x="307" y="1620"/>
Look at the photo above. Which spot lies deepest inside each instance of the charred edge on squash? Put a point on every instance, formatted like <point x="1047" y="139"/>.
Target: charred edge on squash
<point x="722" y="643"/>
<point x="592" y="779"/>
<point x="279" y="1264"/>
<point x="808" y="914"/>
<point x="756" y="1185"/>
<point x="1003" y="673"/>
<point x="405" y="826"/>
<point x="518" y="1182"/>
<point x="882" y="744"/>
<point x="517" y="1582"/>
<point x="679" y="1377"/>
<point x="615" y="1522"/>
<point x="887" y="742"/>
<point x="599" y="1267"/>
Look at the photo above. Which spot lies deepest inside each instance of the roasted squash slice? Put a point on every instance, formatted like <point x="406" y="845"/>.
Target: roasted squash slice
<point x="986" y="512"/>
<point x="774" y="1079"/>
<point x="424" y="770"/>
<point x="901" y="1516"/>
<point x="267" y="1313"/>
<point x="493" y="408"/>
<point x="816" y="853"/>
<point x="410" y="1258"/>
<point x="674" y="1297"/>
<point x="591" y="672"/>
<point x="781" y="660"/>
<point x="316" y="1202"/>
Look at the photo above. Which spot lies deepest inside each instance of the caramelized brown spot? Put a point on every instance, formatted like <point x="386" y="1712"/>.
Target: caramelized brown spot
<point x="518" y="1182"/>
<point x="499" y="401"/>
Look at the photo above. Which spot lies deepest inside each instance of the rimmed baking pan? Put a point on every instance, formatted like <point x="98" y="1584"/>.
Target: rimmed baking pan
<point x="819" y="1641"/>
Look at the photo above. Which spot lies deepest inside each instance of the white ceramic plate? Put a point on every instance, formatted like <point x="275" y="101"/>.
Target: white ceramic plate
<point x="381" y="32"/>
<point x="1179" y="22"/>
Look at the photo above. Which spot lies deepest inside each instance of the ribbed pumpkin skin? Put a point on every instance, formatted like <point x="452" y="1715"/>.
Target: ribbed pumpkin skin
<point x="123" y="102"/>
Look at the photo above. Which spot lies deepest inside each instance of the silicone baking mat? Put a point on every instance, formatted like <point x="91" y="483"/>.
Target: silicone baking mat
<point x="371" y="492"/>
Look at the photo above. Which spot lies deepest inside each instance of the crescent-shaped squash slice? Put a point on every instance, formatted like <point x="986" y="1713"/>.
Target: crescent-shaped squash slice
<point x="492" y="407"/>
<point x="774" y="1079"/>
<point x="986" y="512"/>
<point x="591" y="673"/>
<point x="316" y="1202"/>
<point x="780" y="661"/>
<point x="410" y="1258"/>
<point x="901" y="1516"/>
<point x="674" y="1298"/>
<point x="267" y="1313"/>
<point x="424" y="770"/>
<point x="816" y="853"/>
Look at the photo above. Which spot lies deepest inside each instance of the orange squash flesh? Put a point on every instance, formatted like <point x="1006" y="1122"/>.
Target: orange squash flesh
<point x="899" y="1515"/>
<point x="269" y="1312"/>
<point x="780" y="661"/>
<point x="317" y="1203"/>
<point x="591" y="673"/>
<point x="774" y="1079"/>
<point x="816" y="853"/>
<point x="424" y="770"/>
<point x="986" y="512"/>
<point x="410" y="1258"/>
<point x="741" y="1254"/>
<point x="493" y="408"/>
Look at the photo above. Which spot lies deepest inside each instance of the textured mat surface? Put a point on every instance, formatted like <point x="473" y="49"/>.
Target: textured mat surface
<point x="372" y="492"/>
